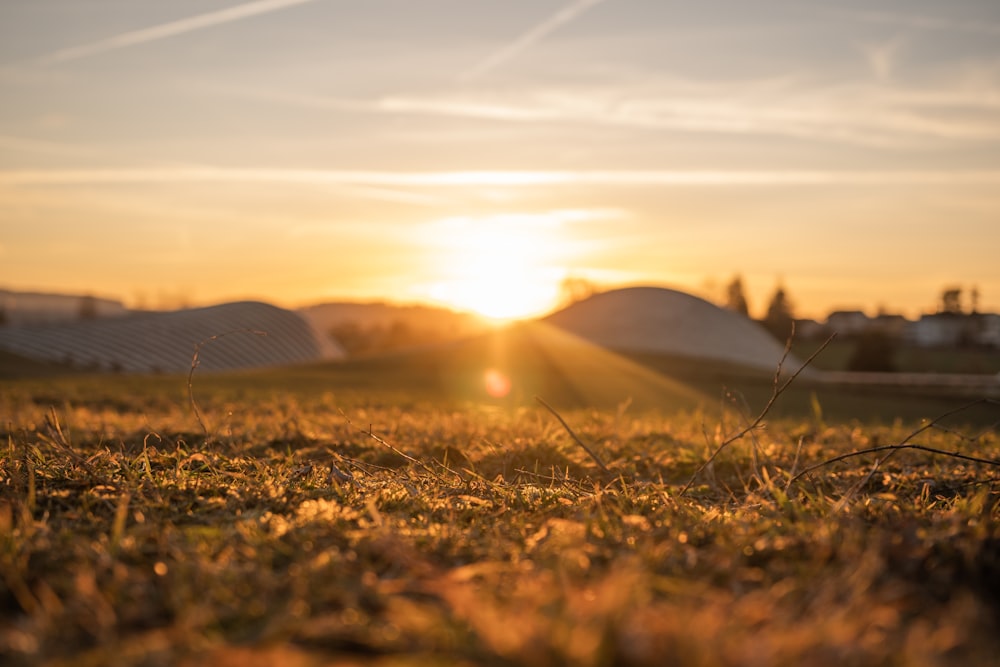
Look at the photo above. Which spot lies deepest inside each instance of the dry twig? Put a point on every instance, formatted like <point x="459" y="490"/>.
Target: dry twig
<point x="400" y="452"/>
<point x="593" y="455"/>
<point x="196" y="360"/>
<point x="904" y="444"/>
<point x="779" y="389"/>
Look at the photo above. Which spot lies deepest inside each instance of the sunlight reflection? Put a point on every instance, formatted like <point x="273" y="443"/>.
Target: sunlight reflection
<point x="497" y="384"/>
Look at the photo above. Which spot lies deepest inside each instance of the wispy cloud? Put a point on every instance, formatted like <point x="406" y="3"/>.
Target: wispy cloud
<point x="882" y="58"/>
<point x="959" y="107"/>
<point x="164" y="30"/>
<point x="465" y="179"/>
<point x="918" y="21"/>
<point x="529" y="37"/>
<point x="36" y="146"/>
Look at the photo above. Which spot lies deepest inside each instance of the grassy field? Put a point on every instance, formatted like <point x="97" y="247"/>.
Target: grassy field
<point x="361" y="515"/>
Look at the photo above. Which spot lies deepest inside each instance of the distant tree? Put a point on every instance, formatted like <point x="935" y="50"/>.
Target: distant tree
<point x="951" y="300"/>
<point x="575" y="288"/>
<point x="735" y="298"/>
<point x="87" y="308"/>
<point x="975" y="300"/>
<point x="779" y="319"/>
<point x="874" y="352"/>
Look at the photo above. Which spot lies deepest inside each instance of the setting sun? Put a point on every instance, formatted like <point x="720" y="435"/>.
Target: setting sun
<point x="474" y="155"/>
<point x="502" y="266"/>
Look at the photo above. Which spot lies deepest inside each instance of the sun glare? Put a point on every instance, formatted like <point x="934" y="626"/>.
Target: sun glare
<point x="497" y="384"/>
<point x="503" y="267"/>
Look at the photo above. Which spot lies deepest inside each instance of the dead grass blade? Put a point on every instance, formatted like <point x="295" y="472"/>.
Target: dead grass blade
<point x="196" y="360"/>
<point x="576" y="439"/>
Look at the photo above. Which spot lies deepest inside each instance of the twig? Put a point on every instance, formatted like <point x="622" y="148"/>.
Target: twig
<point x="795" y="464"/>
<point x="593" y="455"/>
<point x="896" y="448"/>
<point x="399" y="452"/>
<point x="566" y="481"/>
<point x="779" y="389"/>
<point x="905" y="444"/>
<point x="196" y="360"/>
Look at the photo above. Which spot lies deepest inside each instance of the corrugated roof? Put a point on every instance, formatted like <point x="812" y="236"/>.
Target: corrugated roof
<point x="165" y="342"/>
<point x="653" y="319"/>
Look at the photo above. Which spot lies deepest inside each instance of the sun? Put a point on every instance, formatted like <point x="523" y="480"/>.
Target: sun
<point x="503" y="267"/>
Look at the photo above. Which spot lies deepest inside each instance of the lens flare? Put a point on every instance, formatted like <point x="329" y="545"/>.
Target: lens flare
<point x="497" y="383"/>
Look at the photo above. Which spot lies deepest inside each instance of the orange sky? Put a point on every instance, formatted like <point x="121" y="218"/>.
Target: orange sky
<point x="475" y="154"/>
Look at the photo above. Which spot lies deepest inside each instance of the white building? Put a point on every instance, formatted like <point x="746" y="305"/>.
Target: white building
<point x="952" y="329"/>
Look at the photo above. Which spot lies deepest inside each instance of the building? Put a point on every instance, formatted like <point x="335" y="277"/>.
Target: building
<point x="955" y="329"/>
<point x="847" y="322"/>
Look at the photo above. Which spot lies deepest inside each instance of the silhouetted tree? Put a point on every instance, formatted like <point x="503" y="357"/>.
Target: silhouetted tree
<point x="951" y="300"/>
<point x="575" y="288"/>
<point x="88" y="308"/>
<point x="779" y="319"/>
<point x="735" y="298"/>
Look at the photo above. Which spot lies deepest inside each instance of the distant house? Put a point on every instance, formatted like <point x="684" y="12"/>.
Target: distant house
<point x="33" y="308"/>
<point x="989" y="329"/>
<point x="891" y="325"/>
<point x="807" y="329"/>
<point x="952" y="329"/>
<point x="847" y="322"/>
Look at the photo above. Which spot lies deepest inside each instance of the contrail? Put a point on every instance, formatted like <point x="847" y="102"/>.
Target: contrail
<point x="537" y="32"/>
<point x="169" y="29"/>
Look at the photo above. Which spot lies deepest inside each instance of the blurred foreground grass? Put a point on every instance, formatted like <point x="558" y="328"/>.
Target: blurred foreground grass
<point x="287" y="535"/>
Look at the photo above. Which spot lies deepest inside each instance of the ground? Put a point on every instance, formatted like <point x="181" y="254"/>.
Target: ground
<point x="304" y="527"/>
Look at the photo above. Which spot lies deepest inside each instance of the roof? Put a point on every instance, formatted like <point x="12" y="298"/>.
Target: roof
<point x="653" y="319"/>
<point x="230" y="336"/>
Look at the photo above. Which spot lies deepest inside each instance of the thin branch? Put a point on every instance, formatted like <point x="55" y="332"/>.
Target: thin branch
<point x="896" y="448"/>
<point x="577" y="440"/>
<point x="368" y="432"/>
<point x="196" y="360"/>
<point x="906" y="444"/>
<point x="779" y="389"/>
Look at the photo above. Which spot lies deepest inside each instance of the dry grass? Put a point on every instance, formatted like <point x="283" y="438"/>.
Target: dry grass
<point x="290" y="536"/>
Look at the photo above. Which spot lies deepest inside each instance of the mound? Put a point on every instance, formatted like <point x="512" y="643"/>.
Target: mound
<point x="665" y="321"/>
<point x="165" y="342"/>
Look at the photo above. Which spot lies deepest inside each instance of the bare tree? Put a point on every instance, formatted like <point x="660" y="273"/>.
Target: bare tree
<point x="736" y="300"/>
<point x="779" y="319"/>
<point x="87" y="310"/>
<point x="951" y="300"/>
<point x="575" y="288"/>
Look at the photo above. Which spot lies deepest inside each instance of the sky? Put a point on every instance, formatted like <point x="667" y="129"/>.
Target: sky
<point x="475" y="153"/>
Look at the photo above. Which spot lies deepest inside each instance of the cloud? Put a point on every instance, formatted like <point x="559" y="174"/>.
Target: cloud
<point x="530" y="37"/>
<point x="164" y="30"/>
<point x="23" y="145"/>
<point x="918" y="21"/>
<point x="463" y="179"/>
<point x="959" y="105"/>
<point x="882" y="58"/>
